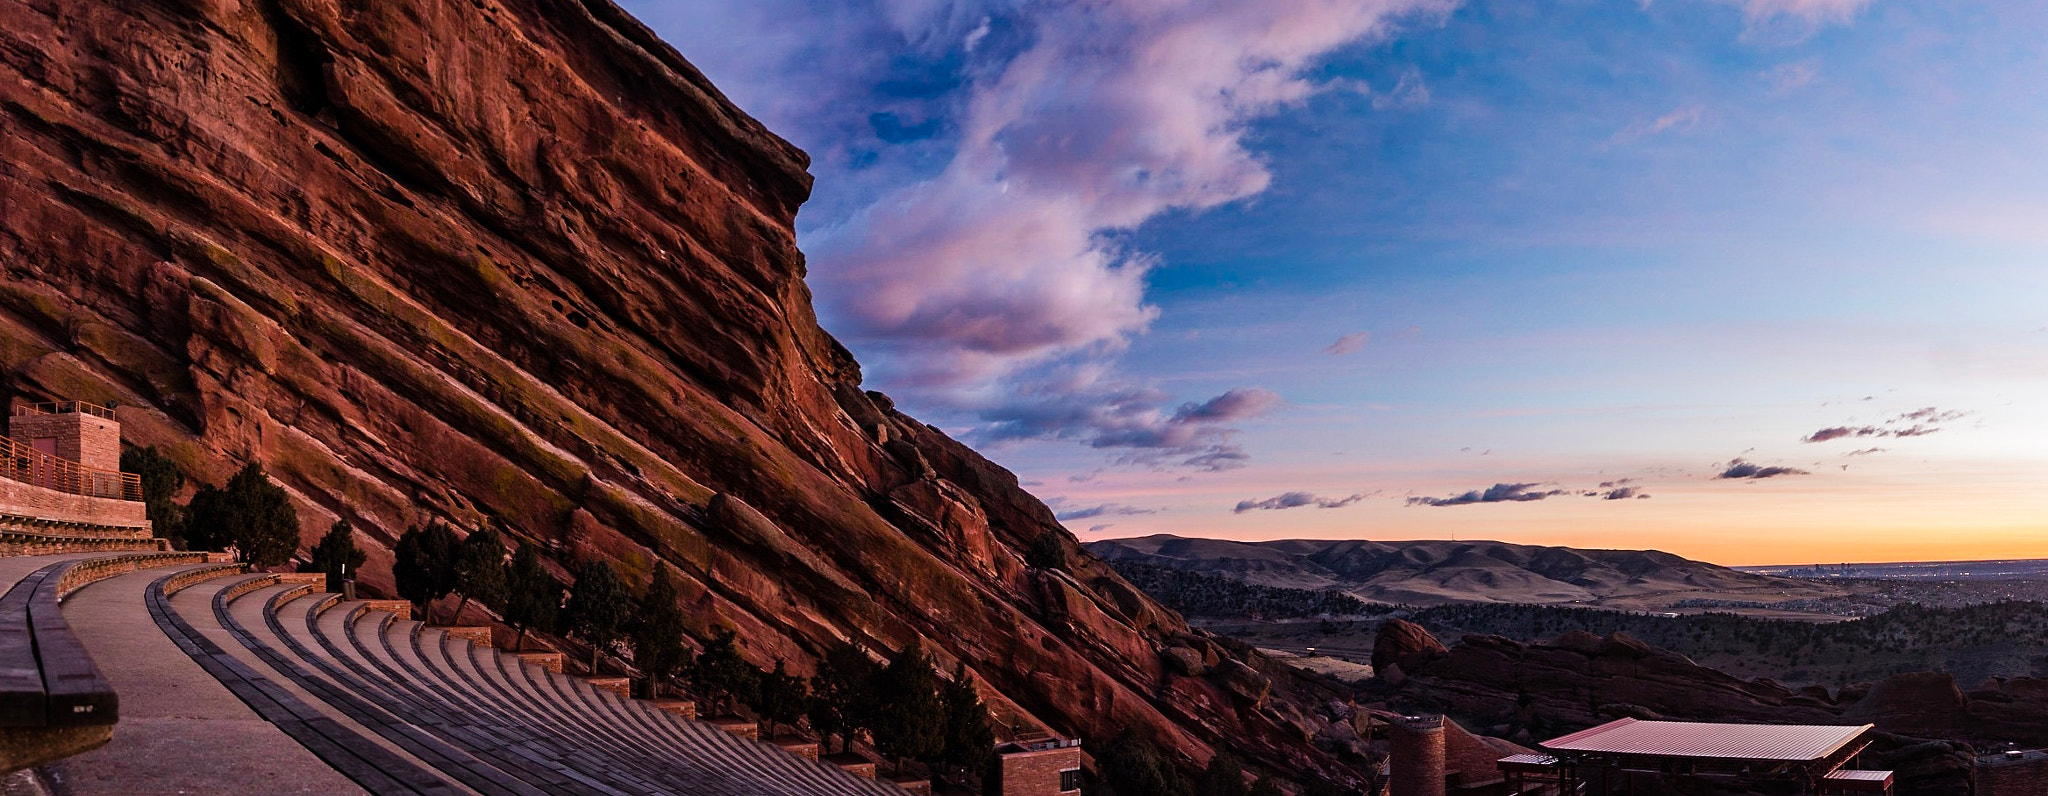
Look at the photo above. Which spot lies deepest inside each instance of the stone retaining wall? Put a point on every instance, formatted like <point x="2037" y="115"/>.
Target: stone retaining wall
<point x="31" y="501"/>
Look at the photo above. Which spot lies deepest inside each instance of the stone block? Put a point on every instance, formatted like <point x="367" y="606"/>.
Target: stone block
<point x="740" y="727"/>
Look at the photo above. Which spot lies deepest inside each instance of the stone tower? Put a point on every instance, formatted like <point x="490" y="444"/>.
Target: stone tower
<point x="1417" y="764"/>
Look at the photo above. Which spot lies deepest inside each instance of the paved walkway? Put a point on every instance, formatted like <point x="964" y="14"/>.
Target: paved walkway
<point x="180" y="730"/>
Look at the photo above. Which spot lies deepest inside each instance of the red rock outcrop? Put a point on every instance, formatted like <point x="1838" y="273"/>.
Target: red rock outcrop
<point x="517" y="261"/>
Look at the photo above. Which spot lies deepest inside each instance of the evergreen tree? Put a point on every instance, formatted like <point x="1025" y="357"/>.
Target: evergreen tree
<point x="781" y="698"/>
<point x="1131" y="766"/>
<point x="1223" y="777"/>
<point x="161" y="480"/>
<point x="480" y="569"/>
<point x="969" y="740"/>
<point x="1267" y="787"/>
<point x="658" y="630"/>
<point x="598" y="608"/>
<point x="424" y="565"/>
<point x="251" y="513"/>
<point x="337" y="555"/>
<point x="843" y="690"/>
<point x="909" y="722"/>
<point x="720" y="674"/>
<point x="533" y="597"/>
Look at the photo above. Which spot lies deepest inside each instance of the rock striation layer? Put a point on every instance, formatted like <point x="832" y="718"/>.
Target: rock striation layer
<point x="516" y="261"/>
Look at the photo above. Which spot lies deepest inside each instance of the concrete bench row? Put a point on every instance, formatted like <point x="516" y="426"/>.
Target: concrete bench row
<point x="469" y="714"/>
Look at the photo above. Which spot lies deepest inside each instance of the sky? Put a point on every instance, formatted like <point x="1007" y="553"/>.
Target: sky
<point x="1750" y="281"/>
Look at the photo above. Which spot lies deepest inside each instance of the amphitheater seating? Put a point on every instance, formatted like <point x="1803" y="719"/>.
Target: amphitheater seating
<point x="404" y="708"/>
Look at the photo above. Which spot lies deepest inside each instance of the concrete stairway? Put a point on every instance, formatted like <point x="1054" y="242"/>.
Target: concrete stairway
<point x="450" y="716"/>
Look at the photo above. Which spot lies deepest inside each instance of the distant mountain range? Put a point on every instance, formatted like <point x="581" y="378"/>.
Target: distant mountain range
<point x="1437" y="572"/>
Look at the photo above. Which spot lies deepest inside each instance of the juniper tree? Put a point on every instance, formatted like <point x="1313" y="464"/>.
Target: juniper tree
<point x="720" y="674"/>
<point x="969" y="740"/>
<point x="249" y="512"/>
<point x="337" y="555"/>
<point x="1047" y="552"/>
<point x="657" y="630"/>
<point x="1132" y="766"/>
<point x="480" y="569"/>
<point x="909" y="721"/>
<point x="781" y="698"/>
<point x="161" y="480"/>
<point x="1223" y="777"/>
<point x="598" y="608"/>
<point x="843" y="693"/>
<point x="424" y="565"/>
<point x="533" y="597"/>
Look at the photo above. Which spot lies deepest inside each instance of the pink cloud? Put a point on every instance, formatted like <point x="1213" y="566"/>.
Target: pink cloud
<point x="1116" y="112"/>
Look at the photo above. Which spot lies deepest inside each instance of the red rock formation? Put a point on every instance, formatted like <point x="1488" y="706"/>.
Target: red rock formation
<point x="518" y="261"/>
<point x="1399" y="640"/>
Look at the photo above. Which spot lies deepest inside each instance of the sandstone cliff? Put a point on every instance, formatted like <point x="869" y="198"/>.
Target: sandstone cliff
<point x="518" y="261"/>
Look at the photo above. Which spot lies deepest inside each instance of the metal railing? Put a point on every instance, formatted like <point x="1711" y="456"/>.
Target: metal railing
<point x="22" y="462"/>
<point x="64" y="408"/>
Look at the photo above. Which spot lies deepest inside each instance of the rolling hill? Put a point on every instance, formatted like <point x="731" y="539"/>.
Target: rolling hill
<point x="1439" y="572"/>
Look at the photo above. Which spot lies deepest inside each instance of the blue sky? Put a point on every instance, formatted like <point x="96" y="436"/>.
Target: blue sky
<point x="1320" y="268"/>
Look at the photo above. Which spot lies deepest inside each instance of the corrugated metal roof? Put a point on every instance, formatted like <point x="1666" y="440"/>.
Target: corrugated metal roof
<point x="1695" y="739"/>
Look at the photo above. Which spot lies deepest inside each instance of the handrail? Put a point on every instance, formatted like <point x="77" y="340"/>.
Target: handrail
<point x="64" y="408"/>
<point x="22" y="462"/>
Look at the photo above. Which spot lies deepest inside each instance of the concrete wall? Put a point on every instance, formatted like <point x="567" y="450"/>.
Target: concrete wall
<point x="90" y="440"/>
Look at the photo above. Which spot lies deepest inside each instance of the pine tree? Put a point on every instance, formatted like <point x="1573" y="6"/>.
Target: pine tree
<point x="337" y="555"/>
<point x="480" y="569"/>
<point x="658" y="630"/>
<point x="251" y="513"/>
<point x="909" y="721"/>
<point x="161" y="480"/>
<point x="781" y="698"/>
<point x="720" y="674"/>
<point x="533" y="597"/>
<point x="969" y="740"/>
<point x="1267" y="787"/>
<point x="598" y="607"/>
<point x="843" y="691"/>
<point x="424" y="565"/>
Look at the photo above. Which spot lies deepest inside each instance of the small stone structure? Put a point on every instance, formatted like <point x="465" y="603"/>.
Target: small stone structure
<point x="1039" y="767"/>
<point x="72" y="430"/>
<point x="61" y="488"/>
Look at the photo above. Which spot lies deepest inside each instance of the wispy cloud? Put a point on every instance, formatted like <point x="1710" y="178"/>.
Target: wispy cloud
<point x="1917" y="423"/>
<point x="1742" y="469"/>
<point x="1295" y="500"/>
<point x="1498" y="493"/>
<point x="1350" y="343"/>
<point x="1102" y="510"/>
<point x="1789" y="77"/>
<point x="1140" y="422"/>
<point x="1681" y="119"/>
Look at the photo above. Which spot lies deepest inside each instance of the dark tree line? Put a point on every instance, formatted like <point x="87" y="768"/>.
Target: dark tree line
<point x="1129" y="765"/>
<point x="1196" y="594"/>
